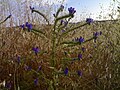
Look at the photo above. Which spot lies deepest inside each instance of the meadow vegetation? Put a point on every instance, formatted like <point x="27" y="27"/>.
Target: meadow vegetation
<point x="61" y="55"/>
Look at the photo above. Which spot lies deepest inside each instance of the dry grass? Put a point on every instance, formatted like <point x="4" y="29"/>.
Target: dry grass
<point x="96" y="65"/>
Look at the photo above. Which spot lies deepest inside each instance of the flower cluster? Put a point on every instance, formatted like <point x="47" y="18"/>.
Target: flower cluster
<point x="79" y="73"/>
<point x="96" y="34"/>
<point x="80" y="40"/>
<point x="61" y="7"/>
<point x="71" y="11"/>
<point x="36" y="81"/>
<point x="66" y="71"/>
<point x="79" y="56"/>
<point x="18" y="59"/>
<point x="8" y="85"/>
<point x="27" y="25"/>
<point x="28" y="68"/>
<point x="36" y="50"/>
<point x="62" y="22"/>
<point x="83" y="49"/>
<point x="39" y="68"/>
<point x="89" y="20"/>
<point x="31" y="8"/>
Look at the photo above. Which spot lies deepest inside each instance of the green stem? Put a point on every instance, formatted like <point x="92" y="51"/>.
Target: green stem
<point x="65" y="33"/>
<point x="42" y="16"/>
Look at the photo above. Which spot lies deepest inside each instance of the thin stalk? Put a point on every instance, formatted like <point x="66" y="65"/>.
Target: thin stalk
<point x="42" y="15"/>
<point x="5" y="19"/>
<point x="65" y="33"/>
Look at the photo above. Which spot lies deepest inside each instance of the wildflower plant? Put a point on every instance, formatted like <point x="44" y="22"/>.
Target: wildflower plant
<point x="61" y="23"/>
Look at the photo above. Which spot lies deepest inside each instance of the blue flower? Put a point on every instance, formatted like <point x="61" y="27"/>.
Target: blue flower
<point x="89" y="20"/>
<point x="22" y="26"/>
<point x="83" y="49"/>
<point x="36" y="50"/>
<point x="31" y="8"/>
<point x="28" y="68"/>
<point x="63" y="22"/>
<point x="79" y="56"/>
<point x="79" y="73"/>
<point x="36" y="81"/>
<point x="29" y="26"/>
<point x="8" y="85"/>
<point x="26" y="24"/>
<point x="63" y="30"/>
<point x="61" y="7"/>
<point x="95" y="35"/>
<point x="39" y="68"/>
<point x="66" y="71"/>
<point x="71" y="11"/>
<point x="81" y="39"/>
<point x="18" y="59"/>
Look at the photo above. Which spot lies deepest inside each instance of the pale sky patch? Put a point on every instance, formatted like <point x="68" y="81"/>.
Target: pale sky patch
<point x="49" y="2"/>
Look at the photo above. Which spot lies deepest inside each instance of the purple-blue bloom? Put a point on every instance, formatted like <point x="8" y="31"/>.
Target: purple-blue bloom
<point x="66" y="71"/>
<point x="63" y="22"/>
<point x="39" y="68"/>
<point x="63" y="30"/>
<point x="83" y="49"/>
<point x="31" y="8"/>
<point x="89" y="20"/>
<point x="8" y="85"/>
<point x="36" y="81"/>
<point x="36" y="50"/>
<point x="28" y="68"/>
<point x="71" y="10"/>
<point x="26" y="24"/>
<point x="29" y="26"/>
<point x="81" y="39"/>
<point x="95" y="35"/>
<point x="79" y="73"/>
<point x="22" y="26"/>
<point x="18" y="59"/>
<point x="61" y="7"/>
<point x="79" y="56"/>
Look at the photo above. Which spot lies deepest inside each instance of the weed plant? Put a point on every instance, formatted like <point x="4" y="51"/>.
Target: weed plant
<point x="60" y="56"/>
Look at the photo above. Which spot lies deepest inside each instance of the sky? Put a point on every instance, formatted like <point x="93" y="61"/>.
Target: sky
<point x="96" y="9"/>
<point x="93" y="8"/>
